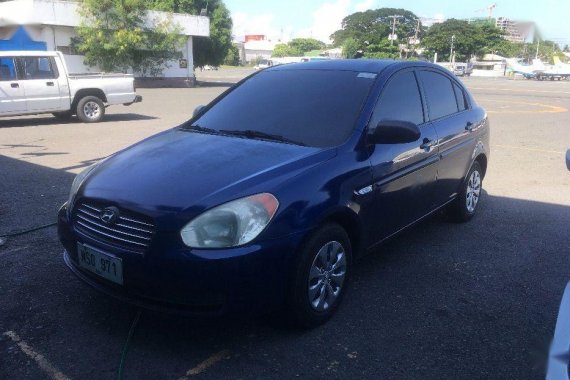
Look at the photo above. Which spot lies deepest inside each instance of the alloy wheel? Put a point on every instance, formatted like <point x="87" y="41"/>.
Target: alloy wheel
<point x="327" y="276"/>
<point x="473" y="191"/>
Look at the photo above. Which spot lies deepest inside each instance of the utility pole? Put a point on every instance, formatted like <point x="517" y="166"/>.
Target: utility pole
<point x="393" y="35"/>
<point x="451" y="50"/>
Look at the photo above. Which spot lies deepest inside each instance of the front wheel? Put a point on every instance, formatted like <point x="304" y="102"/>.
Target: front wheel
<point x="90" y="109"/>
<point x="467" y="202"/>
<point x="320" y="277"/>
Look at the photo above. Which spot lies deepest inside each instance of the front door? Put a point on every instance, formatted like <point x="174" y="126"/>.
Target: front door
<point x="41" y="86"/>
<point x="404" y="174"/>
<point x="12" y="98"/>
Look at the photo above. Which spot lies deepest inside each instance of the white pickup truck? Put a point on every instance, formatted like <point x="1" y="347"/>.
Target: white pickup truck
<point x="34" y="82"/>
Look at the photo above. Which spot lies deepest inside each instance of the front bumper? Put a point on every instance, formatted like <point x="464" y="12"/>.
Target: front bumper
<point x="171" y="278"/>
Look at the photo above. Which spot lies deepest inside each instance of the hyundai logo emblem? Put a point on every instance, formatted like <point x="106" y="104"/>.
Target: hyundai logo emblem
<point x="109" y="215"/>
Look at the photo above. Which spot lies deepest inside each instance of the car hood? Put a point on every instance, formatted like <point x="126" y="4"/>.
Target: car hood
<point x="176" y="170"/>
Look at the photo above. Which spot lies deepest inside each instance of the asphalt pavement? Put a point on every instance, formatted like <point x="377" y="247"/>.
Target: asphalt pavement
<point x="441" y="301"/>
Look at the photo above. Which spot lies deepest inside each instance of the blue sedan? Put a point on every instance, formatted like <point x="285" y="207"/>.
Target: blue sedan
<point x="263" y="199"/>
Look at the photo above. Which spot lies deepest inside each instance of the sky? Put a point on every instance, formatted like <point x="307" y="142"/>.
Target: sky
<point x="319" y="18"/>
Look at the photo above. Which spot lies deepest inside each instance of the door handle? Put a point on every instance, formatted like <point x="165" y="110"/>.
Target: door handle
<point x="51" y="84"/>
<point x="427" y="144"/>
<point x="14" y="85"/>
<point x="469" y="126"/>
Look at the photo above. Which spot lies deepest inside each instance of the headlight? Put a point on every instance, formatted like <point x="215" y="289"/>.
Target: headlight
<point x="231" y="224"/>
<point x="77" y="183"/>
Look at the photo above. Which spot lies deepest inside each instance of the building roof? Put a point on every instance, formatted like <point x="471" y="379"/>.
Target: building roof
<point x="65" y="13"/>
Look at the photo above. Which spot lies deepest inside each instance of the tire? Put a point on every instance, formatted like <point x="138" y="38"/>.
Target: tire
<point x="65" y="115"/>
<point x="310" y="304"/>
<point x="465" y="206"/>
<point x="90" y="109"/>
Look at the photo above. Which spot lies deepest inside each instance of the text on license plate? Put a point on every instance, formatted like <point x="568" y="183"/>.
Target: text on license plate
<point x="102" y="264"/>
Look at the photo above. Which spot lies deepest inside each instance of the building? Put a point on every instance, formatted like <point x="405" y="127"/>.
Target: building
<point x="50" y="25"/>
<point x="256" y="47"/>
<point x="516" y="31"/>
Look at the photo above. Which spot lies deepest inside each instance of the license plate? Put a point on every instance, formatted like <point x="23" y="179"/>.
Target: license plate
<point x="102" y="264"/>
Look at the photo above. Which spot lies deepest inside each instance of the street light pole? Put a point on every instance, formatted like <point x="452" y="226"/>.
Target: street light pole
<point x="451" y="50"/>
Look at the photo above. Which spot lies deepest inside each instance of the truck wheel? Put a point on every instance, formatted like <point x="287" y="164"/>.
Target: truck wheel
<point x="66" y="115"/>
<point x="90" y="109"/>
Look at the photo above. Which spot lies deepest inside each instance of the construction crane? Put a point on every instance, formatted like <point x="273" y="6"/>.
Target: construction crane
<point x="488" y="9"/>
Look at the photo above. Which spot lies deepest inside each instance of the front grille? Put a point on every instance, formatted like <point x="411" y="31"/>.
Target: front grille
<point x="130" y="231"/>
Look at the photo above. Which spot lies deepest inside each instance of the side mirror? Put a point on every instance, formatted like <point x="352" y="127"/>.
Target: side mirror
<point x="394" y="132"/>
<point x="198" y="110"/>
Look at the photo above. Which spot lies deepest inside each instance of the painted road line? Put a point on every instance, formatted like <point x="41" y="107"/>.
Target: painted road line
<point x="518" y="90"/>
<point x="529" y="149"/>
<point x="41" y="361"/>
<point x="547" y="108"/>
<point x="206" y="364"/>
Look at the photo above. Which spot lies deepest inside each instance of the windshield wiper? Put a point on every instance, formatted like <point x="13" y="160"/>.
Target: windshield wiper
<point x="251" y="134"/>
<point x="197" y="128"/>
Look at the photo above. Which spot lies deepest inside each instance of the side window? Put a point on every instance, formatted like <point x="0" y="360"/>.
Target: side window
<point x="7" y="69"/>
<point x="400" y="100"/>
<point x="440" y="95"/>
<point x="460" y="96"/>
<point x="37" y="68"/>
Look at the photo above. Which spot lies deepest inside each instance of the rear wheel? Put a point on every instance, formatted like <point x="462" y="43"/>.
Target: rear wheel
<point x="90" y="109"/>
<point x="467" y="203"/>
<point x="320" y="277"/>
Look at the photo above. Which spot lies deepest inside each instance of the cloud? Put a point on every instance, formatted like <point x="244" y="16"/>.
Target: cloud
<point x="365" y="5"/>
<point x="327" y="18"/>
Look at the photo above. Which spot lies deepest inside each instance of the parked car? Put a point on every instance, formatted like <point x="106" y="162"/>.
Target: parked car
<point x="263" y="199"/>
<point x="34" y="82"/>
<point x="462" y="69"/>
<point x="210" y="68"/>
<point x="263" y="64"/>
<point x="559" y="358"/>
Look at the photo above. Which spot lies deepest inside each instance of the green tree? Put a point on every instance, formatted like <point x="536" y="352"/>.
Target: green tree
<point x="232" y="58"/>
<point x="349" y="47"/>
<point x="304" y="45"/>
<point x="297" y="47"/>
<point x="284" y="50"/>
<point x="211" y="50"/>
<point x="382" y="50"/>
<point x="471" y="39"/>
<point x="113" y="35"/>
<point x="374" y="25"/>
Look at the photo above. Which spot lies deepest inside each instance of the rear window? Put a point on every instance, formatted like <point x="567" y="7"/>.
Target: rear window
<point x="440" y="95"/>
<point x="460" y="96"/>
<point x="7" y="69"/>
<point x="38" y="68"/>
<point x="313" y="107"/>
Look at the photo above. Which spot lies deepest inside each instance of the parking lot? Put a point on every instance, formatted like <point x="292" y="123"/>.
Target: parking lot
<point x="441" y="301"/>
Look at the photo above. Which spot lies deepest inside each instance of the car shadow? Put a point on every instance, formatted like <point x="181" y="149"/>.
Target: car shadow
<point x="478" y="299"/>
<point x="27" y="121"/>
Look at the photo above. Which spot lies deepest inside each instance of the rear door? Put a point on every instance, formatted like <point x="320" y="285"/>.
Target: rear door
<point x="450" y="115"/>
<point x="12" y="98"/>
<point x="41" y="85"/>
<point x="404" y="174"/>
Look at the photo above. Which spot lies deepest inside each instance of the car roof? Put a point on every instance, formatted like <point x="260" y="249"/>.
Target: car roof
<point x="360" y="65"/>
<point x="27" y="53"/>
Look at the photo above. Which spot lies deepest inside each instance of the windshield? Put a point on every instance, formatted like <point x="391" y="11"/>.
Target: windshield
<point x="313" y="108"/>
